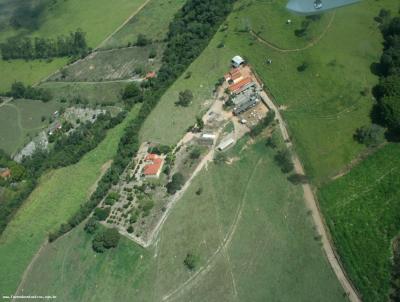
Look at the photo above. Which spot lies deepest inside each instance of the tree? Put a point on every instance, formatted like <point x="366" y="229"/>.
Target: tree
<point x="298" y="179"/>
<point x="131" y="91"/>
<point x="302" y="67"/>
<point x="199" y="122"/>
<point x="91" y="226"/>
<point x="185" y="98"/>
<point x="105" y="239"/>
<point x="142" y="40"/>
<point x="176" y="183"/>
<point x="101" y="214"/>
<point x="284" y="159"/>
<point x="391" y="111"/>
<point x="371" y="136"/>
<point x="220" y="158"/>
<point x="195" y="153"/>
<point x="190" y="261"/>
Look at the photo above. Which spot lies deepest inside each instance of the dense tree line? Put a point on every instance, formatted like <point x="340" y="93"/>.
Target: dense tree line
<point x="20" y="91"/>
<point x="387" y="91"/>
<point x="189" y="33"/>
<point x="43" y="48"/>
<point x="395" y="292"/>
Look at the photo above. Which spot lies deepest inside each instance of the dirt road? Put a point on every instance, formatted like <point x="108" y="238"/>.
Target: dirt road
<point x="312" y="204"/>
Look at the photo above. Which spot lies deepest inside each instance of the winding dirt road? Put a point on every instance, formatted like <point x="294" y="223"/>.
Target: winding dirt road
<point x="312" y="204"/>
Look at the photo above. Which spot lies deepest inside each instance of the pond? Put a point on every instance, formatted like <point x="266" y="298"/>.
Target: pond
<point x="312" y="7"/>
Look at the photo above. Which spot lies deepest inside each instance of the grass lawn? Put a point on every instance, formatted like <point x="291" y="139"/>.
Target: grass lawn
<point x="94" y="93"/>
<point x="271" y="254"/>
<point x="22" y="120"/>
<point x="146" y="23"/>
<point x="362" y="209"/>
<point x="92" y="16"/>
<point x="56" y="198"/>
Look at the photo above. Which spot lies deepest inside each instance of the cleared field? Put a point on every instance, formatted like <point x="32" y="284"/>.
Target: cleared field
<point x="146" y="23"/>
<point x="57" y="196"/>
<point x="94" y="93"/>
<point x="92" y="16"/>
<point x="249" y="227"/>
<point x="113" y="64"/>
<point x="28" y="72"/>
<point x="22" y="120"/>
<point x="362" y="209"/>
<point x="324" y="103"/>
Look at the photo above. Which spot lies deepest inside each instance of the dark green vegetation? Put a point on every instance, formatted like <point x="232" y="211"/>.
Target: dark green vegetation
<point x="105" y="239"/>
<point x="362" y="210"/>
<point x="247" y="243"/>
<point x="20" y="91"/>
<point x="395" y="292"/>
<point x="388" y="90"/>
<point x="40" y="48"/>
<point x="176" y="183"/>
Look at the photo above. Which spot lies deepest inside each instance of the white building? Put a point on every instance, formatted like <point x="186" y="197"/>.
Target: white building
<point x="237" y="61"/>
<point x="226" y="143"/>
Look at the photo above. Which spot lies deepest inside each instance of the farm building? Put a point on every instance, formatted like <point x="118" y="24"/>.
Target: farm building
<point x="225" y="144"/>
<point x="5" y="173"/>
<point x="237" y="61"/>
<point x="207" y="138"/>
<point x="233" y="76"/>
<point x="245" y="105"/>
<point x="241" y="86"/>
<point x="153" y="165"/>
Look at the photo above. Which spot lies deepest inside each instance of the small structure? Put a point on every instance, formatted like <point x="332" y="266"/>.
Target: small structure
<point x="5" y="173"/>
<point x="153" y="166"/>
<point x="245" y="105"/>
<point x="150" y="75"/>
<point x="237" y="61"/>
<point x="225" y="144"/>
<point x="207" y="139"/>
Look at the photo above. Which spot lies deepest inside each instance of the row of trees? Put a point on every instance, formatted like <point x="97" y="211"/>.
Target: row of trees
<point x="189" y="33"/>
<point x="387" y="91"/>
<point x="20" y="91"/>
<point x="43" y="48"/>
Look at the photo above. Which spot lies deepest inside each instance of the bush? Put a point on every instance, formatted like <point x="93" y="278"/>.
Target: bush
<point x="176" y="183"/>
<point x="142" y="40"/>
<point x="302" y="67"/>
<point x="91" y="226"/>
<point x="195" y="153"/>
<point x="105" y="239"/>
<point x="152" y="54"/>
<point x="101" y="214"/>
<point x="297" y="179"/>
<point x="191" y="261"/>
<point x="185" y="98"/>
<point x="284" y="160"/>
<point x="371" y="136"/>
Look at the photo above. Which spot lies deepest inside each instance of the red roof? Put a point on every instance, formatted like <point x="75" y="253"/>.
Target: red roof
<point x="151" y="156"/>
<point x="233" y="74"/>
<point x="150" y="75"/>
<point x="153" y="168"/>
<point x="240" y="84"/>
<point x="6" y="173"/>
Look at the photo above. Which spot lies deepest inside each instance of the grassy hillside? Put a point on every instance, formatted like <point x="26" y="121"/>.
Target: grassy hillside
<point x="324" y="103"/>
<point x="363" y="212"/>
<point x="58" y="195"/>
<point x="92" y="16"/>
<point x="251" y="248"/>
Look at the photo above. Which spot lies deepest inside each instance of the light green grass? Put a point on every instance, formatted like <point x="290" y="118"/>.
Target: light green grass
<point x="94" y="93"/>
<point x="58" y="195"/>
<point x="272" y="256"/>
<point x="28" y="72"/>
<point x="146" y="23"/>
<point x="362" y="209"/>
<point x="22" y="120"/>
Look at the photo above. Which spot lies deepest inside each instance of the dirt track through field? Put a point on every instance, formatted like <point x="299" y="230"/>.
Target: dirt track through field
<point x="221" y="248"/>
<point x="312" y="204"/>
<point x="285" y="50"/>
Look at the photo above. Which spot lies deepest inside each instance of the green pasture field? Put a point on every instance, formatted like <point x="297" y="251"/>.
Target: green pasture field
<point x="21" y="120"/>
<point x="324" y="103"/>
<point x="94" y="93"/>
<point x="92" y="16"/>
<point x="28" y="72"/>
<point x="59" y="194"/>
<point x="249" y="228"/>
<point x="362" y="210"/>
<point x="112" y="65"/>
<point x="152" y="21"/>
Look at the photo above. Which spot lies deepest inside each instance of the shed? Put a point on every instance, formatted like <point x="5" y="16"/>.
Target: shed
<point x="225" y="144"/>
<point x="237" y="61"/>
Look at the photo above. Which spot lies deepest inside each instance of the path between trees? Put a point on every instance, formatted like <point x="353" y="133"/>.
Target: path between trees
<point x="286" y="50"/>
<point x="312" y="204"/>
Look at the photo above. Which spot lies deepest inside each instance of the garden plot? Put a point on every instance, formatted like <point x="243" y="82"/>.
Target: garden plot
<point x="111" y="65"/>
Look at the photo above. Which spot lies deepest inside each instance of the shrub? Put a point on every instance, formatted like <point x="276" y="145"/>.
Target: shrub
<point x="91" y="226"/>
<point x="101" y="214"/>
<point x="284" y="160"/>
<point x="105" y="239"/>
<point x="195" y="153"/>
<point x="176" y="183"/>
<point x="185" y="98"/>
<point x="142" y="40"/>
<point x="370" y="136"/>
<point x="191" y="261"/>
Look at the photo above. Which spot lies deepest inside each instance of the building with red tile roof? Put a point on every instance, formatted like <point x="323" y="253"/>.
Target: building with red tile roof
<point x="154" y="165"/>
<point x="241" y="85"/>
<point x="234" y="75"/>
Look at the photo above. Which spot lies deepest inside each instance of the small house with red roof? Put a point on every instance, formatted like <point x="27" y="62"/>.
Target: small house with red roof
<point x="233" y="76"/>
<point x="240" y="86"/>
<point x="5" y="173"/>
<point x="153" y="165"/>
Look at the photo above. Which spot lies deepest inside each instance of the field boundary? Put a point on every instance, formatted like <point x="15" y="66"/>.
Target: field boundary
<point x="286" y="50"/>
